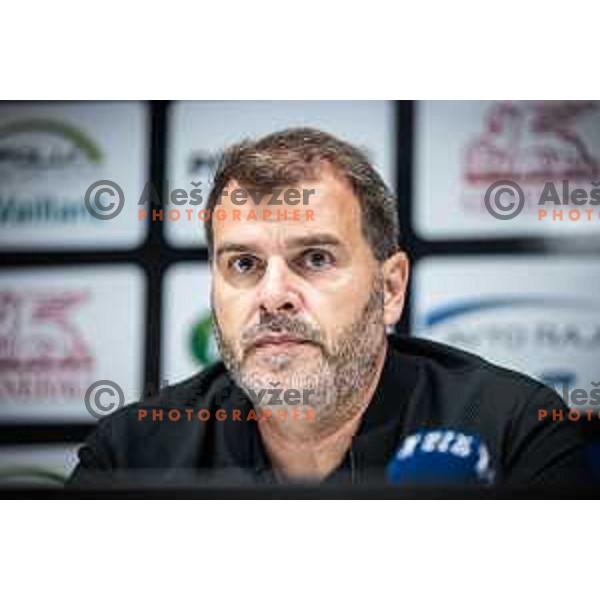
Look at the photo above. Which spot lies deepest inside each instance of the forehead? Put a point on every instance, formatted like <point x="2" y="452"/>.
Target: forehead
<point x="330" y="209"/>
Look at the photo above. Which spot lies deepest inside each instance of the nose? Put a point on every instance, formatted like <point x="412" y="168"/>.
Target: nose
<point x="278" y="292"/>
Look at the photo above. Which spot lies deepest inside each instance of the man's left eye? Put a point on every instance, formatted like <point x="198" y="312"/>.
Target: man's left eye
<point x="317" y="259"/>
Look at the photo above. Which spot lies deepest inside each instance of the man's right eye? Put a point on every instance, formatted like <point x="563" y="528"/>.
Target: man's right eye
<point x="243" y="264"/>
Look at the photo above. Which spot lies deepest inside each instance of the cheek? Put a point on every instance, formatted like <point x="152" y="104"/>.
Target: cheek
<point x="230" y="308"/>
<point x="337" y="307"/>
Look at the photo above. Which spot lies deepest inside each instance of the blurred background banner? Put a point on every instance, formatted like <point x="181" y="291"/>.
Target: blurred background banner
<point x="188" y="340"/>
<point x="463" y="147"/>
<point x="51" y="153"/>
<point x="198" y="131"/>
<point x="537" y="315"/>
<point x="63" y="329"/>
<point x="98" y="285"/>
<point x="37" y="464"/>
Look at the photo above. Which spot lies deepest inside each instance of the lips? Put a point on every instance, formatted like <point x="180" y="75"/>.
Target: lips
<point x="277" y="340"/>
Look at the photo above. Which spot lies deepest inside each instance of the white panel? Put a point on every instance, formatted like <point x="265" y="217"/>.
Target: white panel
<point x="188" y="342"/>
<point x="62" y="329"/>
<point x="538" y="315"/>
<point x="51" y="154"/>
<point x="199" y="130"/>
<point x="463" y="147"/>
<point x="40" y="465"/>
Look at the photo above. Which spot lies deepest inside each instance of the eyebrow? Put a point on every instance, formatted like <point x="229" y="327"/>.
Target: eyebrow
<point x="321" y="239"/>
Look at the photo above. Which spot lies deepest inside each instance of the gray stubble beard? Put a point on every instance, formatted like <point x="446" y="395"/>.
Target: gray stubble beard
<point x="339" y="380"/>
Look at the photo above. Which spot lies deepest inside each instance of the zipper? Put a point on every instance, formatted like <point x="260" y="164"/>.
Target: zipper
<point x="352" y="466"/>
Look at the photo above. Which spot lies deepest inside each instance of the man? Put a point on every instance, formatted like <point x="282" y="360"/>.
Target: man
<point x="303" y="294"/>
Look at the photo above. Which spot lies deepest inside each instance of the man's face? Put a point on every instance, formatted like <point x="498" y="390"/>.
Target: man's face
<point x="297" y="302"/>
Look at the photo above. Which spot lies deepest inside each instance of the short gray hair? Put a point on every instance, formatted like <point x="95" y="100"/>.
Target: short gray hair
<point x="293" y="155"/>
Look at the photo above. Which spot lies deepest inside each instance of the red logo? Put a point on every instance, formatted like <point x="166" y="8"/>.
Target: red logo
<point x="532" y="142"/>
<point x="42" y="353"/>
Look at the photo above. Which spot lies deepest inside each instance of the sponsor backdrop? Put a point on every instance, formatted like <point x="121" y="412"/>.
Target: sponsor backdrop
<point x="104" y="279"/>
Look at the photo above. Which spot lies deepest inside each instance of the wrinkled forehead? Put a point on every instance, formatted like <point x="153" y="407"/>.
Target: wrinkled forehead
<point x="319" y="208"/>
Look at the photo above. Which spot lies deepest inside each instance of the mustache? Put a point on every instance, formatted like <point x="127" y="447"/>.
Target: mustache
<point x="282" y="324"/>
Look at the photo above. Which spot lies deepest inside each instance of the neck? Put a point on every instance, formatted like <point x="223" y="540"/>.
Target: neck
<point x="312" y="449"/>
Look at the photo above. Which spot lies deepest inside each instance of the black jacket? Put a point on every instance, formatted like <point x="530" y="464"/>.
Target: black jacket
<point x="423" y="384"/>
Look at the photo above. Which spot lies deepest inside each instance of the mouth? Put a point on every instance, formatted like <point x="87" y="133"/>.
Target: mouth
<point x="277" y="342"/>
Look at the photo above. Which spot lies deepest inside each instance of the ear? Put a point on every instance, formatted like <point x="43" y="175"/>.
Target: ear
<point x="395" y="281"/>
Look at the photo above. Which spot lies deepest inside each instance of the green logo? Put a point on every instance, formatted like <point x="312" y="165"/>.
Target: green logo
<point x="30" y="475"/>
<point x="49" y="126"/>
<point x="203" y="346"/>
<point x="33" y="172"/>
